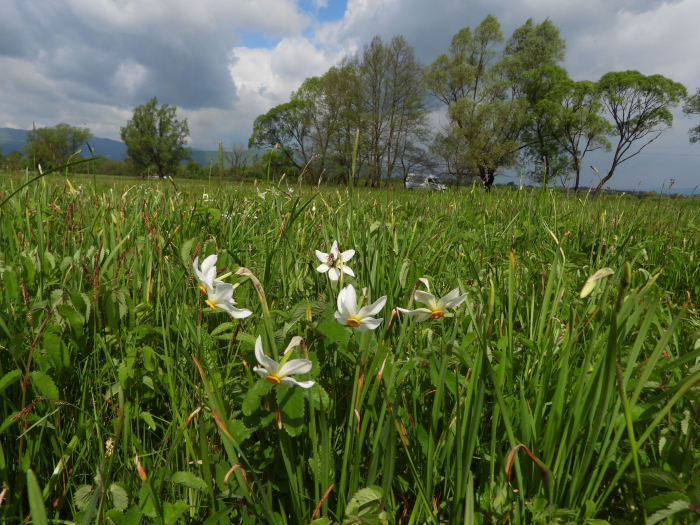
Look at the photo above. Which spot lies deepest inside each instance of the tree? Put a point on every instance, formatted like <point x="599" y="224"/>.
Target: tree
<point x="237" y="158"/>
<point x="14" y="160"/>
<point x="51" y="147"/>
<point x="581" y="126"/>
<point x="392" y="100"/>
<point x="489" y="100"/>
<point x="692" y="107"/>
<point x="285" y="126"/>
<point x="154" y="137"/>
<point x="639" y="107"/>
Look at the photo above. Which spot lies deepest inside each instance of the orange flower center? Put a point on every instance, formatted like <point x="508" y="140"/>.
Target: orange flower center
<point x="211" y="305"/>
<point x="353" y="322"/>
<point x="437" y="314"/>
<point x="201" y="287"/>
<point x="272" y="379"/>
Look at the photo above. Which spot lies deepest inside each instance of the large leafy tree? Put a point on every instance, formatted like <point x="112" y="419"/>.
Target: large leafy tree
<point x="51" y="147"/>
<point x="392" y="101"/>
<point x="287" y="127"/>
<point x="154" y="137"/>
<point x="639" y="108"/>
<point x="581" y="127"/>
<point x="692" y="107"/>
<point x="490" y="96"/>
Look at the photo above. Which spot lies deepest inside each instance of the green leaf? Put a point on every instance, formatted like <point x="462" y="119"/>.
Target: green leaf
<point x="133" y="516"/>
<point x="73" y="317"/>
<point x="290" y="400"/>
<point x="44" y="385"/>
<point x="238" y="430"/>
<point x="365" y="506"/>
<point x="36" y="501"/>
<point x="148" y="418"/>
<point x="186" y="251"/>
<point x="57" y="350"/>
<point x="82" y="495"/>
<point x="675" y="507"/>
<point x="172" y="512"/>
<point x="214" y="518"/>
<point x="335" y="332"/>
<point x="222" y="328"/>
<point x="663" y="500"/>
<point x="120" y="496"/>
<point x="9" y="278"/>
<point x="661" y="478"/>
<point x="9" y="378"/>
<point x="189" y="480"/>
<point x="251" y="401"/>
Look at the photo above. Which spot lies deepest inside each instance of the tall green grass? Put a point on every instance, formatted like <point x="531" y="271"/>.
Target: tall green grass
<point x="527" y="404"/>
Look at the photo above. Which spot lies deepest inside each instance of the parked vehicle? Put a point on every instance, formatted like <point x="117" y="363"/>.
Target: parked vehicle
<point x="423" y="181"/>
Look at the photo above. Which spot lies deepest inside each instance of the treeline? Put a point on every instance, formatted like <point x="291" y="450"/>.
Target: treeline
<point x="508" y="103"/>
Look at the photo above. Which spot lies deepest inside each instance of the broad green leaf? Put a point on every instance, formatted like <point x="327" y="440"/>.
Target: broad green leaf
<point x="251" y="401"/>
<point x="9" y="279"/>
<point x="365" y="506"/>
<point x="334" y="331"/>
<point x="120" y="497"/>
<point x="661" y="478"/>
<point x="57" y="350"/>
<point x="132" y="516"/>
<point x="9" y="378"/>
<point x="290" y="400"/>
<point x="36" y="501"/>
<point x="44" y="385"/>
<point x="82" y="495"/>
<point x="148" y="418"/>
<point x="173" y="511"/>
<point x="189" y="480"/>
<point x="678" y="506"/>
<point x="238" y="430"/>
<point x="73" y="317"/>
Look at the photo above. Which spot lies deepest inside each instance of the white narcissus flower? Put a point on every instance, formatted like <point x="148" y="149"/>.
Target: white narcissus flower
<point x="358" y="318"/>
<point x="207" y="273"/>
<point x="221" y="296"/>
<point x="334" y="262"/>
<point x="277" y="373"/>
<point x="435" y="309"/>
<point x="261" y="195"/>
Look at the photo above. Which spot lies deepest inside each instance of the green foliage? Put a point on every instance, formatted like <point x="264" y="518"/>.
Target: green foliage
<point x="692" y="107"/>
<point x="155" y="138"/>
<point x="434" y="422"/>
<point x="51" y="147"/>
<point x="639" y="107"/>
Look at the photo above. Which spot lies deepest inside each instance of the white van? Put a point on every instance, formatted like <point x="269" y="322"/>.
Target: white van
<point x="423" y="181"/>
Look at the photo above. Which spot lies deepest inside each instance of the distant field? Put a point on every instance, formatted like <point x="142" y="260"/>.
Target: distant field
<point x="127" y="398"/>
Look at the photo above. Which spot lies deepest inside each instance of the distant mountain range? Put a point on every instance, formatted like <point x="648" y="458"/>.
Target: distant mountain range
<point x="14" y="139"/>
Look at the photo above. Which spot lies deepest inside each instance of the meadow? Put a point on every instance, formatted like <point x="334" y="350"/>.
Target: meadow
<point x="562" y="389"/>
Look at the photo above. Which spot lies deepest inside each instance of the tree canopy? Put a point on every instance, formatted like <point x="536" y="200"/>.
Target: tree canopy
<point x="51" y="147"/>
<point x="639" y="108"/>
<point x="508" y="104"/>
<point x="155" y="139"/>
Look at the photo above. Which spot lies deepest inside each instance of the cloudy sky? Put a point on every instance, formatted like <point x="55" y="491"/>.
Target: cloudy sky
<point x="224" y="62"/>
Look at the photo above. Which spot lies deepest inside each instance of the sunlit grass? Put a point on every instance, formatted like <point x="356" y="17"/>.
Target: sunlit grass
<point x="417" y="422"/>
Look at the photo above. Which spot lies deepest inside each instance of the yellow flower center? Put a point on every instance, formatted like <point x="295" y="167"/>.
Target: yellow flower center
<point x="437" y="314"/>
<point x="201" y="287"/>
<point x="353" y="322"/>
<point x="274" y="380"/>
<point x="211" y="305"/>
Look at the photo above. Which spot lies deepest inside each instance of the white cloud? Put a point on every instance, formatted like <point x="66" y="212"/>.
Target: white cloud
<point x="274" y="16"/>
<point x="266" y="77"/>
<point x="110" y="55"/>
